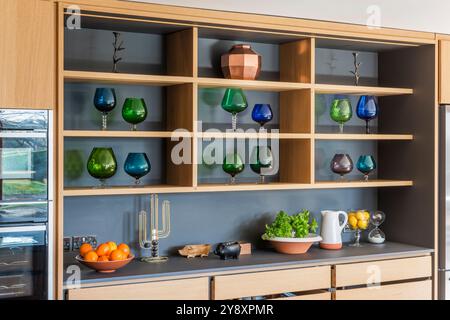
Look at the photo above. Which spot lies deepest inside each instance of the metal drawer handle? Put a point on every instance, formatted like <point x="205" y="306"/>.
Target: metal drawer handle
<point x="17" y="293"/>
<point x="14" y="286"/>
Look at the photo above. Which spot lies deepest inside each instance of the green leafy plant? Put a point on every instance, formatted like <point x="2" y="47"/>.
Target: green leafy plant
<point x="295" y="226"/>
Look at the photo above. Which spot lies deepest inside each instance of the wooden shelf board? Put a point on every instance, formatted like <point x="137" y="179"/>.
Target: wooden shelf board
<point x="256" y="85"/>
<point x="124" y="134"/>
<point x="300" y="186"/>
<point x="338" y="136"/>
<point x="362" y="184"/>
<point x="124" y="78"/>
<point x="361" y="90"/>
<point x="252" y="135"/>
<point x="124" y="190"/>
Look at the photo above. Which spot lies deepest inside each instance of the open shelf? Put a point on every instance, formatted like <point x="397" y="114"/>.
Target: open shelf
<point x="344" y="136"/>
<point x="256" y="85"/>
<point x="363" y="184"/>
<point x="124" y="134"/>
<point x="360" y="90"/>
<point x="124" y="78"/>
<point x="252" y="135"/>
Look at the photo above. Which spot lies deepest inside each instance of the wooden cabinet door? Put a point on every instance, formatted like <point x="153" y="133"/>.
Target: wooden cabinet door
<point x="27" y="54"/>
<point x="444" y="71"/>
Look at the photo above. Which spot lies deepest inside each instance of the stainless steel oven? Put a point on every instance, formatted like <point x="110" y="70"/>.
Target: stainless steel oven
<point x="26" y="204"/>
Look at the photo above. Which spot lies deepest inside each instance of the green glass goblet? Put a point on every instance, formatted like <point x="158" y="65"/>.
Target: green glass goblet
<point x="261" y="161"/>
<point x="102" y="164"/>
<point x="234" y="101"/>
<point x="341" y="112"/>
<point x="233" y="165"/>
<point x="134" y="111"/>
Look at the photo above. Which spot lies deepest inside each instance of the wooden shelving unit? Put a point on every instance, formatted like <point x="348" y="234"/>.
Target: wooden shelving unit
<point x="405" y="145"/>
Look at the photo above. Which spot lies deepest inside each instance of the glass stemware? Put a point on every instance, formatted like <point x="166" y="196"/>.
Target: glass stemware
<point x="358" y="220"/>
<point x="137" y="165"/>
<point x="341" y="112"/>
<point x="134" y="111"/>
<point x="234" y="101"/>
<point x="262" y="113"/>
<point x="261" y="161"/>
<point x="366" y="164"/>
<point x="233" y="165"/>
<point x="367" y="109"/>
<point x="341" y="164"/>
<point x="105" y="102"/>
<point x="376" y="235"/>
<point x="102" y="164"/>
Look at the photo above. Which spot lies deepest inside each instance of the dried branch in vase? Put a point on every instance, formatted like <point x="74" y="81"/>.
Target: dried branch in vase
<point x="118" y="46"/>
<point x="357" y="66"/>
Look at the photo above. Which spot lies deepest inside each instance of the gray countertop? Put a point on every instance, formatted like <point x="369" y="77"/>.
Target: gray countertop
<point x="178" y="266"/>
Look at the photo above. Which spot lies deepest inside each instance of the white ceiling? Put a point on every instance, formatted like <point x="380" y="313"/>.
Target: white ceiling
<point x="421" y="15"/>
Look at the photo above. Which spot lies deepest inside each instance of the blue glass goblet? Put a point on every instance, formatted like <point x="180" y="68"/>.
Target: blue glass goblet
<point x="137" y="165"/>
<point x="366" y="164"/>
<point x="367" y="109"/>
<point x="262" y="113"/>
<point x="105" y="102"/>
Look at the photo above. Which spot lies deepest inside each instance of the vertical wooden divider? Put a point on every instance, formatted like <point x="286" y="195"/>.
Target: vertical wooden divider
<point x="312" y="59"/>
<point x="297" y="64"/>
<point x="194" y="107"/>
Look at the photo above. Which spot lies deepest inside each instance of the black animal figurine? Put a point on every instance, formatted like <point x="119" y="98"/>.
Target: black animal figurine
<point x="228" y="250"/>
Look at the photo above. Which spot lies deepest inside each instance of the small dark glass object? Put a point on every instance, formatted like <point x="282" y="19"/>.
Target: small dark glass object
<point x="261" y="161"/>
<point x="105" y="102"/>
<point x="366" y="164"/>
<point x="137" y="165"/>
<point x="233" y="165"/>
<point x="367" y="109"/>
<point x="341" y="164"/>
<point x="262" y="113"/>
<point x="102" y="164"/>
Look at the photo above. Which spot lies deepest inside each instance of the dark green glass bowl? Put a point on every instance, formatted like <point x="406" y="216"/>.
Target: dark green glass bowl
<point x="102" y="164"/>
<point x="134" y="111"/>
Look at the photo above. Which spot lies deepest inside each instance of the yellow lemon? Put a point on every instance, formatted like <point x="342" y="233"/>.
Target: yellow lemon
<point x="363" y="224"/>
<point x="351" y="214"/>
<point x="353" y="222"/>
<point x="360" y="215"/>
<point x="367" y="215"/>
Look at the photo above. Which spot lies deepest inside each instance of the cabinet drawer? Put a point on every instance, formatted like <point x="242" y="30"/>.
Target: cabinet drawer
<point x="382" y="271"/>
<point x="313" y="296"/>
<point x="271" y="282"/>
<point x="420" y="290"/>
<point x="187" y="289"/>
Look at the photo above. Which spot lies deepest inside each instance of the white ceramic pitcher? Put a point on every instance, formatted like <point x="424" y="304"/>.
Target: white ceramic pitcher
<point x="331" y="229"/>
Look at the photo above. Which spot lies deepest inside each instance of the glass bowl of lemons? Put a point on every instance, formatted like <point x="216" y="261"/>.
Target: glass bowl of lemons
<point x="358" y="221"/>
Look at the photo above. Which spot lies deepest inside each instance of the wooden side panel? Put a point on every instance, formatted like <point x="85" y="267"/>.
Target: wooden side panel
<point x="181" y="51"/>
<point x="444" y="72"/>
<point x="383" y="271"/>
<point x="420" y="290"/>
<point x="295" y="161"/>
<point x="296" y="61"/>
<point x="180" y="107"/>
<point x="187" y="289"/>
<point x="295" y="111"/>
<point x="179" y="174"/>
<point x="272" y="282"/>
<point x="27" y="54"/>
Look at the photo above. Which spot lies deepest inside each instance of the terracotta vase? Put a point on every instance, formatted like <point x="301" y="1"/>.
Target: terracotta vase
<point x="241" y="62"/>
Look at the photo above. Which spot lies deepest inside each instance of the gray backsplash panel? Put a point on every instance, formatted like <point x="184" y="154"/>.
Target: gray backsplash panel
<point x="204" y="217"/>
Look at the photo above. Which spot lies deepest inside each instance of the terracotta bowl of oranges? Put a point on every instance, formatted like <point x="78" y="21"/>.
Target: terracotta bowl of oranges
<point x="107" y="258"/>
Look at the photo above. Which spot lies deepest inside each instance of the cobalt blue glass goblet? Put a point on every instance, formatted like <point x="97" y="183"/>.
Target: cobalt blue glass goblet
<point x="105" y="102"/>
<point x="367" y="109"/>
<point x="262" y="113"/>
<point x="137" y="165"/>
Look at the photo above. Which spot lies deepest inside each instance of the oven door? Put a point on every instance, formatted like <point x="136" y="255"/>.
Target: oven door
<point x="23" y="262"/>
<point x="23" y="165"/>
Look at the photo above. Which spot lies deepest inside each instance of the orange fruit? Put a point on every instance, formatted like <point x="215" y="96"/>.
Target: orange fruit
<point x="103" y="258"/>
<point x="103" y="250"/>
<point x="118" y="255"/>
<point x="85" y="248"/>
<point x="124" y="248"/>
<point x="91" y="256"/>
<point x="112" y="245"/>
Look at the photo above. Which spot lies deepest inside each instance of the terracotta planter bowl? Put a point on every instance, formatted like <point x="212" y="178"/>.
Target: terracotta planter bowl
<point x="105" y="266"/>
<point x="294" y="245"/>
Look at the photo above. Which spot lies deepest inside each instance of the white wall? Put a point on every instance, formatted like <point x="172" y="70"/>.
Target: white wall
<point x="421" y="15"/>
